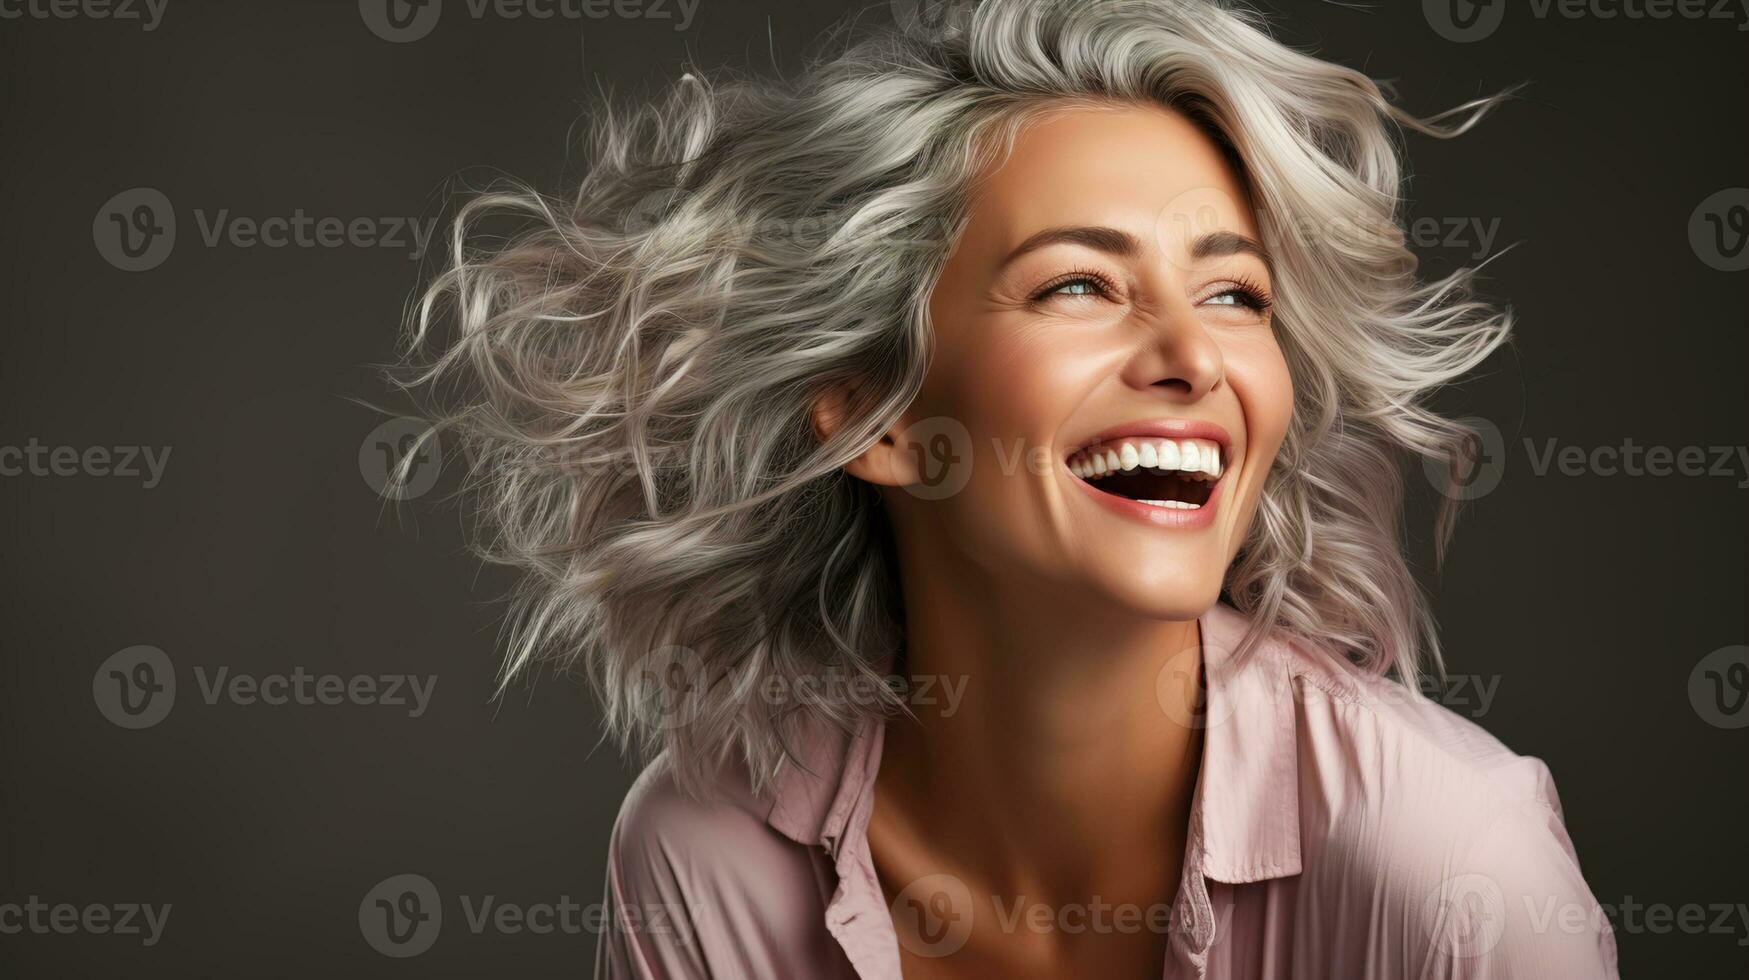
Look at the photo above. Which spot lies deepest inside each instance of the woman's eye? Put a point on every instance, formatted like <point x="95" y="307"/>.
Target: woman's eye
<point x="1076" y="287"/>
<point x="1243" y="299"/>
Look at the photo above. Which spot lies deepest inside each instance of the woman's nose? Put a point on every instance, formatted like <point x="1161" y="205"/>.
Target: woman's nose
<point x="1178" y="356"/>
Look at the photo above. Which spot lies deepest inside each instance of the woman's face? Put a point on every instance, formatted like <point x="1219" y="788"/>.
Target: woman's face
<point x="1103" y="336"/>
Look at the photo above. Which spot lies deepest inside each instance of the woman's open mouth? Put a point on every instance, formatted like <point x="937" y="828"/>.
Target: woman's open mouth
<point x="1176" y="479"/>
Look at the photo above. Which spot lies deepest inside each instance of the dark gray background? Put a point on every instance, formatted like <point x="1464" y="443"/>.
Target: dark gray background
<point x="1587" y="601"/>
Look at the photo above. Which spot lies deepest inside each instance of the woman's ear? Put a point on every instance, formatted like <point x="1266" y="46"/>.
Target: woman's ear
<point x="887" y="462"/>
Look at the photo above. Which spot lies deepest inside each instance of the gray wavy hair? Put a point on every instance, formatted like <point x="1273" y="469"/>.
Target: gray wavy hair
<point x="632" y="371"/>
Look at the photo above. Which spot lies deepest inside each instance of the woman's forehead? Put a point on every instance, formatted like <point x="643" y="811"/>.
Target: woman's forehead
<point x="1144" y="170"/>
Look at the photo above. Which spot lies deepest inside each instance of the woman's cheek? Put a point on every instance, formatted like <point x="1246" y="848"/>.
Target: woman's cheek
<point x="1259" y="373"/>
<point x="1260" y="377"/>
<point x="1020" y="380"/>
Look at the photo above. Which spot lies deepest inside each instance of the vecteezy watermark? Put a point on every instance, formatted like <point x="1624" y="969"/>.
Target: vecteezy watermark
<point x="1718" y="687"/>
<point x="1470" y="695"/>
<point x="933" y="916"/>
<point x="1468" y="915"/>
<point x="144" y="463"/>
<point x="383" y="459"/>
<point x="147" y="13"/>
<point x="300" y="687"/>
<point x="136" y="230"/>
<point x="938" y="691"/>
<point x="1629" y="917"/>
<point x="1479" y="464"/>
<point x="1632" y="459"/>
<point x="1465" y="21"/>
<point x="37" y="917"/>
<point x="941" y="454"/>
<point x="929" y="20"/>
<point x="403" y="21"/>
<point x="1481" y="461"/>
<point x="136" y="688"/>
<point x="1096" y="916"/>
<point x="1473" y="235"/>
<point x="669" y="683"/>
<point x="1181" y="687"/>
<point x="402" y="916"/>
<point x="798" y="234"/>
<point x="489" y="913"/>
<point x="1205" y="211"/>
<point x="1718" y="230"/>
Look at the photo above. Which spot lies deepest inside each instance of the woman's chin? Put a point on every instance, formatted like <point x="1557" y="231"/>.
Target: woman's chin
<point x="1179" y="600"/>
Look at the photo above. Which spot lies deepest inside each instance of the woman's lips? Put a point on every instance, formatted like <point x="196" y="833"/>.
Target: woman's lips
<point x="1157" y="429"/>
<point x="1164" y="472"/>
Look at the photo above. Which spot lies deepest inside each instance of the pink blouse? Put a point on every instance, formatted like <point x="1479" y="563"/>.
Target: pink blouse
<point x="1343" y="827"/>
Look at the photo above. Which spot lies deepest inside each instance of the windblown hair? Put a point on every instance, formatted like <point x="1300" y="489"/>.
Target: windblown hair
<point x="633" y="371"/>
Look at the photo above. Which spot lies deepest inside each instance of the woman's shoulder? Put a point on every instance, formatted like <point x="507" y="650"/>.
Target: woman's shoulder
<point x="701" y="832"/>
<point x="1341" y="714"/>
<point x="1431" y="744"/>
<point x="1433" y="815"/>
<point x="699" y="882"/>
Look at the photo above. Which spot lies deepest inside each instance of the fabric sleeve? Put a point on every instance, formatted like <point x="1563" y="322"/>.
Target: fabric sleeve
<point x="646" y="930"/>
<point x="1517" y="907"/>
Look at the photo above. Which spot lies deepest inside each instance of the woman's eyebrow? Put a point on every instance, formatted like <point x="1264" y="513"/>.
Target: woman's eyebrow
<point x="1111" y="240"/>
<point x="1219" y="244"/>
<point x="1122" y="244"/>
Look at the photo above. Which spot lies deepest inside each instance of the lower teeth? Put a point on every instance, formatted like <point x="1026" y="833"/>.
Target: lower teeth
<point x="1172" y="504"/>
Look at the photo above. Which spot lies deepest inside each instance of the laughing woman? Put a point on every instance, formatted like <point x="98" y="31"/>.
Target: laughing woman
<point x="970" y="474"/>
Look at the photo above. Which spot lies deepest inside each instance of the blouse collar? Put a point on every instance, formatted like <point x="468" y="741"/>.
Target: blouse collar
<point x="1245" y="813"/>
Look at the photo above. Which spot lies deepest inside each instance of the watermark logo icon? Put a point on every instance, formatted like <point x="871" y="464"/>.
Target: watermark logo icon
<point x="1718" y="688"/>
<point x="1182" y="686"/>
<point x="670" y="680"/>
<point x="933" y="915"/>
<point x="400" y="21"/>
<point x="1466" y="915"/>
<point x="401" y="916"/>
<point x="941" y="451"/>
<point x="932" y="20"/>
<point x="653" y="208"/>
<point x="135" y="230"/>
<point x="1464" y="21"/>
<point x="136" y="687"/>
<point x="383" y="459"/>
<point x="1718" y="230"/>
<point x="1189" y="217"/>
<point x="1479" y="465"/>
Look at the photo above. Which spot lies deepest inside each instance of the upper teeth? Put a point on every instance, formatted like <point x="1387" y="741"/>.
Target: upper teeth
<point x="1170" y="455"/>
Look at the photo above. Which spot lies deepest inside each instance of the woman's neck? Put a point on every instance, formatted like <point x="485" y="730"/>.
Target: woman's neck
<point x="1058" y="772"/>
